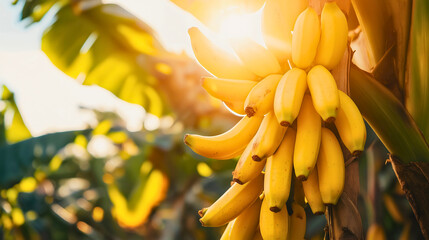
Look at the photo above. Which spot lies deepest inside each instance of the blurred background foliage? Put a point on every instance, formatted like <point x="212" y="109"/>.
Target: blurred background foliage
<point x="106" y="182"/>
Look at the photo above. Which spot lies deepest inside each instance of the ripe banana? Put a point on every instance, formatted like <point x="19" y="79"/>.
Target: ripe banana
<point x="312" y="193"/>
<point x="261" y="97"/>
<point x="278" y="173"/>
<point x="236" y="107"/>
<point x="330" y="168"/>
<point x="305" y="38"/>
<point x="226" y="233"/>
<point x="324" y="92"/>
<point x="226" y="145"/>
<point x="246" y="223"/>
<point x="375" y="232"/>
<point x="216" y="60"/>
<point x="289" y="94"/>
<point x="247" y="169"/>
<point x="350" y="125"/>
<point x="268" y="138"/>
<point x="297" y="222"/>
<point x="308" y="135"/>
<point x="232" y="203"/>
<point x="229" y="90"/>
<point x="274" y="226"/>
<point x="278" y="19"/>
<point x="333" y="38"/>
<point x="255" y="57"/>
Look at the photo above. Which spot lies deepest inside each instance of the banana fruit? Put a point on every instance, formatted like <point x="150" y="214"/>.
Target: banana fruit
<point x="312" y="193"/>
<point x="228" y="90"/>
<point x="268" y="138"/>
<point x="216" y="60"/>
<point x="226" y="233"/>
<point x="375" y="232"/>
<point x="330" y="168"/>
<point x="324" y="92"/>
<point x="297" y="222"/>
<point x="285" y="90"/>
<point x="255" y="57"/>
<point x="261" y="97"/>
<point x="226" y="145"/>
<point x="305" y="38"/>
<point x="308" y="137"/>
<point x="247" y="169"/>
<point x="232" y="203"/>
<point x="274" y="226"/>
<point x="246" y="224"/>
<point x="278" y="173"/>
<point x="289" y="94"/>
<point x="350" y="125"/>
<point x="333" y="38"/>
<point x="278" y="20"/>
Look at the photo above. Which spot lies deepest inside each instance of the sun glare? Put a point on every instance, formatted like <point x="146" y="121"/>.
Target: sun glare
<point x="242" y="26"/>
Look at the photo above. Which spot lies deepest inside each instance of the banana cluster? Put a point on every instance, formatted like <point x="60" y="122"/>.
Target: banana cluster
<point x="287" y="94"/>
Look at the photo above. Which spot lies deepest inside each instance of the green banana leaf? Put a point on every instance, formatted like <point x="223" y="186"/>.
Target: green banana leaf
<point x="19" y="160"/>
<point x="107" y="46"/>
<point x="417" y="78"/>
<point x="387" y="117"/>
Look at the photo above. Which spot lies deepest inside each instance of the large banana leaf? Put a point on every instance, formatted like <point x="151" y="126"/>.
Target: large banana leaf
<point x="417" y="78"/>
<point x="388" y="118"/>
<point x="19" y="160"/>
<point x="107" y="46"/>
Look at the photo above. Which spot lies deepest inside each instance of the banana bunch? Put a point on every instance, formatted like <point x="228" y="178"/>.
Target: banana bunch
<point x="287" y="96"/>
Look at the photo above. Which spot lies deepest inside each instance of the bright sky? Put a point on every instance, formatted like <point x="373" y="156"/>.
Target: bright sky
<point x="48" y="99"/>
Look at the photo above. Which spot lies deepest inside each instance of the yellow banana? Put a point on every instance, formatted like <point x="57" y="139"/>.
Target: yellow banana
<point x="305" y="38"/>
<point x="297" y="223"/>
<point x="278" y="173"/>
<point x="232" y="203"/>
<point x="216" y="60"/>
<point x="226" y="145"/>
<point x="247" y="169"/>
<point x="268" y="138"/>
<point x="227" y="232"/>
<point x="246" y="223"/>
<point x="274" y="226"/>
<point x="324" y="92"/>
<point x="255" y="57"/>
<point x="375" y="232"/>
<point x="330" y="168"/>
<point x="261" y="97"/>
<point x="278" y="19"/>
<point x="236" y="107"/>
<point x="333" y="38"/>
<point x="308" y="137"/>
<point x="229" y="90"/>
<point x="289" y="94"/>
<point x="312" y="193"/>
<point x="393" y="208"/>
<point x="350" y="125"/>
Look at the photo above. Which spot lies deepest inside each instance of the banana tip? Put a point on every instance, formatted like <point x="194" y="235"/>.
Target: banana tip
<point x="250" y="112"/>
<point x="275" y="209"/>
<point x="256" y="158"/>
<point x="237" y="181"/>
<point x="201" y="213"/>
<point x="357" y="153"/>
<point x="185" y="139"/>
<point x="284" y="123"/>
<point x="330" y="120"/>
<point x="301" y="178"/>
